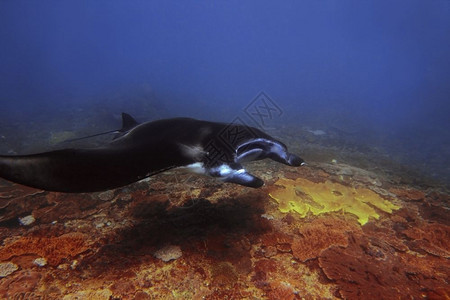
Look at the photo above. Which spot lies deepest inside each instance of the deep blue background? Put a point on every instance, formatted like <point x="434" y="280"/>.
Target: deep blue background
<point x="385" y="64"/>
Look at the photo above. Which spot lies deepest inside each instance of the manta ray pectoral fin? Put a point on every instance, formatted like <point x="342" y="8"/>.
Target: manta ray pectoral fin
<point x="235" y="173"/>
<point x="244" y="178"/>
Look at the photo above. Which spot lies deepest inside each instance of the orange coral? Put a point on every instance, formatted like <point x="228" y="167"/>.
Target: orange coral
<point x="276" y="238"/>
<point x="408" y="194"/>
<point x="54" y="249"/>
<point x="281" y="290"/>
<point x="370" y="269"/>
<point x="432" y="238"/>
<point x="21" y="286"/>
<point x="224" y="273"/>
<point x="320" y="235"/>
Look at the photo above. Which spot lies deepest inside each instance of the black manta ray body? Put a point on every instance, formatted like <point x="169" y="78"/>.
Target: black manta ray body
<point x="142" y="150"/>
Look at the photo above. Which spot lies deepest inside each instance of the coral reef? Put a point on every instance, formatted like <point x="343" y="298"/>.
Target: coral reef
<point x="176" y="236"/>
<point x="224" y="274"/>
<point x="434" y="239"/>
<point x="371" y="269"/>
<point x="54" y="249"/>
<point x="320" y="235"/>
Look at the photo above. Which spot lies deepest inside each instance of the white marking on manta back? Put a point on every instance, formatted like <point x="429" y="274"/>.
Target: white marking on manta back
<point x="193" y="151"/>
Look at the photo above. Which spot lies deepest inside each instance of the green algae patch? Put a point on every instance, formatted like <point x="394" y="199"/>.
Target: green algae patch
<point x="304" y="196"/>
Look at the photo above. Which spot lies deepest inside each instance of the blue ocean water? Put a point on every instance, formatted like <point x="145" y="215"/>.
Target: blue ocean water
<point x="377" y="72"/>
<point x="358" y="89"/>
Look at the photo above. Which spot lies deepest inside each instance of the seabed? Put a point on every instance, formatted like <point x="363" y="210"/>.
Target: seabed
<point x="346" y="226"/>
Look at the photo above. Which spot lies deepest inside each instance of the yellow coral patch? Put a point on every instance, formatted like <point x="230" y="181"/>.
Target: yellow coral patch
<point x="304" y="196"/>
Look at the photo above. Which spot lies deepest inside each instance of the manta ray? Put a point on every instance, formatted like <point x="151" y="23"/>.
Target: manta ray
<point x="140" y="150"/>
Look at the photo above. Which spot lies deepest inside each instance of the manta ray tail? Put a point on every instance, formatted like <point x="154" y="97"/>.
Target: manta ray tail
<point x="90" y="136"/>
<point x="72" y="170"/>
<point x="128" y="123"/>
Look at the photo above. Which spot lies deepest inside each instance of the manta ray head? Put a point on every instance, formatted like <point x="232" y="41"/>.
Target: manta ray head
<point x="251" y="150"/>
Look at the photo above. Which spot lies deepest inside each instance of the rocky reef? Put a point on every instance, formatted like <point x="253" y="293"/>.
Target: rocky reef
<point x="325" y="231"/>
